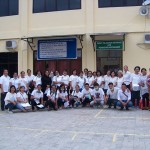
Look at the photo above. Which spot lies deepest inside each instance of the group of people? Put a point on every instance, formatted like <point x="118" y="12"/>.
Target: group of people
<point x="121" y="89"/>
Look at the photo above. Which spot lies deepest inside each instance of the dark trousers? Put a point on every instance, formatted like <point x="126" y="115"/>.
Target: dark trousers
<point x="60" y="102"/>
<point x="51" y="104"/>
<point x="135" y="96"/>
<point x="145" y="97"/>
<point x="72" y="101"/>
<point x="86" y="101"/>
<point x="10" y="106"/>
<point x="3" y="95"/>
<point x="34" y="104"/>
<point x="112" y="102"/>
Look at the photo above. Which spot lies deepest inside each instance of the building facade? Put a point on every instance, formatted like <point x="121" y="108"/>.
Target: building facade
<point x="90" y="21"/>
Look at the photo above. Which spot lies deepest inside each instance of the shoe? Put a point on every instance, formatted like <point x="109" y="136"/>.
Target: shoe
<point x="127" y="108"/>
<point x="10" y="112"/>
<point x="109" y="107"/>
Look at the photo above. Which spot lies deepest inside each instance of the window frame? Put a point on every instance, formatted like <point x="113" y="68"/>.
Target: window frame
<point x="8" y="11"/>
<point x="56" y="9"/>
<point x="124" y="4"/>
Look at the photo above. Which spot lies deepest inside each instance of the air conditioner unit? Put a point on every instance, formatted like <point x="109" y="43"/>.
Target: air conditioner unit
<point x="12" y="44"/>
<point x="144" y="11"/>
<point x="147" y="38"/>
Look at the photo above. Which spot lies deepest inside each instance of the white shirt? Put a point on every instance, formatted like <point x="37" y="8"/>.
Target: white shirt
<point x="37" y="95"/>
<point x="15" y="82"/>
<point x="65" y="79"/>
<point x="98" y="95"/>
<point x="87" y="93"/>
<point x="22" y="96"/>
<point x="73" y="79"/>
<point x="144" y="89"/>
<point x="23" y="82"/>
<point x="53" y="95"/>
<point x="90" y="81"/>
<point x="127" y="77"/>
<point x="81" y="82"/>
<point x="79" y="94"/>
<point x="107" y="81"/>
<point x="37" y="80"/>
<point x="10" y="97"/>
<point x="135" y="80"/>
<point x="100" y="80"/>
<point x="113" y="94"/>
<point x="124" y="95"/>
<point x="119" y="82"/>
<point x="62" y="95"/>
<point x="4" y="81"/>
<point x="57" y="79"/>
<point x="30" y="78"/>
<point x="113" y="80"/>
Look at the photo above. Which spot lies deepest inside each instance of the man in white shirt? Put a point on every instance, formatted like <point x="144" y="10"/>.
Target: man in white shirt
<point x="112" y="95"/>
<point x="126" y="77"/>
<point x="124" y="98"/>
<point x="37" y="97"/>
<point x="4" y="82"/>
<point x="52" y="95"/>
<point x="98" y="96"/>
<point x="76" y="97"/>
<point x="15" y="80"/>
<point x="87" y="95"/>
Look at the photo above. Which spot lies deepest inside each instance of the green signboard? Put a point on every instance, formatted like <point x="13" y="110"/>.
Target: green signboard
<point x="109" y="45"/>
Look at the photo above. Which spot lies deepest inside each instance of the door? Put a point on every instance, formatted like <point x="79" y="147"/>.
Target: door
<point x="9" y="61"/>
<point x="109" y="60"/>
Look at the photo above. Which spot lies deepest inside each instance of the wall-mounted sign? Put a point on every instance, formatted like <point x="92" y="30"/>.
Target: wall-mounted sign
<point x="110" y="45"/>
<point x="57" y="49"/>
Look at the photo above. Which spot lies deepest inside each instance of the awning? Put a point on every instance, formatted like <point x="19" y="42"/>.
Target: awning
<point x="94" y="36"/>
<point x="30" y="42"/>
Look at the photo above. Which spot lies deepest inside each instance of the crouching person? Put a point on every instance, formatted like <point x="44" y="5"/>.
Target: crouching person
<point x="98" y="96"/>
<point x="62" y="97"/>
<point x="76" y="97"/>
<point x="10" y="99"/>
<point x="87" y="95"/>
<point x="22" y="100"/>
<point x="37" y="98"/>
<point x="52" y="95"/>
<point x="112" y="95"/>
<point x="124" y="98"/>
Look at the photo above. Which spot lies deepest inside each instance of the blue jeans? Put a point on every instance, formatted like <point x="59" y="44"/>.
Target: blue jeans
<point x="19" y="106"/>
<point x="112" y="101"/>
<point x="119" y="104"/>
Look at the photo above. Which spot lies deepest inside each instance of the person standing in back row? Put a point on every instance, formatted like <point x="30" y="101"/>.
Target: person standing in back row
<point x="126" y="77"/>
<point x="135" y="86"/>
<point x="4" y="82"/>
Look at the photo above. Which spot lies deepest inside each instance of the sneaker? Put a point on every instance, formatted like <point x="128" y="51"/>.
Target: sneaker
<point x="10" y="112"/>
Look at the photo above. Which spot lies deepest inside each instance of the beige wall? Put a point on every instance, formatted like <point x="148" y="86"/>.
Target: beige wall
<point x="90" y="19"/>
<point x="135" y="54"/>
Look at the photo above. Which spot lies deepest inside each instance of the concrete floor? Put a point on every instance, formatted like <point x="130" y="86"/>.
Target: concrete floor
<point x="76" y="129"/>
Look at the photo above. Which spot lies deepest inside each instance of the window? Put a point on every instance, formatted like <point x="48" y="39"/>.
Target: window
<point x="9" y="7"/>
<point x="55" y="5"/>
<point x="119" y="3"/>
<point x="62" y="5"/>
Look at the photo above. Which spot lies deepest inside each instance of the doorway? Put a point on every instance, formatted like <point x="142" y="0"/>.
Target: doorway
<point x="9" y="61"/>
<point x="59" y="65"/>
<point x="109" y="60"/>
